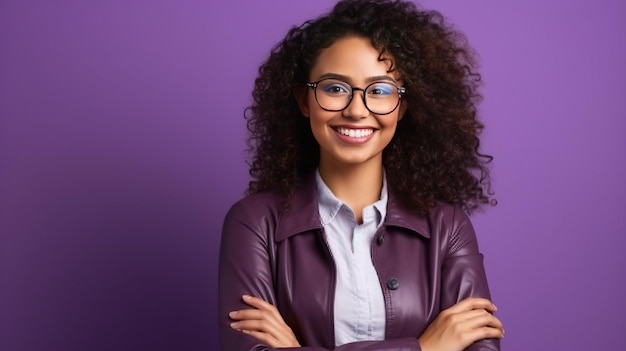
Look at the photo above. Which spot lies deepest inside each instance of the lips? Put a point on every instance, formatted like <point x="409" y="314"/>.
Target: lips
<point x="354" y="132"/>
<point x="354" y="136"/>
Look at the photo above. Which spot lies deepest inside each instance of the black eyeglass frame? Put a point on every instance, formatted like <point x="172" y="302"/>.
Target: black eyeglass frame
<point x="313" y="85"/>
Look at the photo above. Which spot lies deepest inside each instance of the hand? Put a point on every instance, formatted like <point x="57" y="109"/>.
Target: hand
<point x="462" y="324"/>
<point x="263" y="322"/>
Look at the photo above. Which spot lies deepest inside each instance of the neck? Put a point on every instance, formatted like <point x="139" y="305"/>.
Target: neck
<point x="356" y="185"/>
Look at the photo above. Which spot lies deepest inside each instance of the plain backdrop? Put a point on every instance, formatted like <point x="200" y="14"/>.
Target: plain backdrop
<point x="122" y="146"/>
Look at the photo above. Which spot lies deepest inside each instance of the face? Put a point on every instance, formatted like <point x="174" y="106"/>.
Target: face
<point x="354" y="135"/>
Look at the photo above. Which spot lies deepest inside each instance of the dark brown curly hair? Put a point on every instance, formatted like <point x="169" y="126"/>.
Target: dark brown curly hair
<point x="434" y="155"/>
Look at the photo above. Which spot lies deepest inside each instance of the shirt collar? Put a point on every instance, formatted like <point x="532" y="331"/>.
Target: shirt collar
<point x="329" y="205"/>
<point x="303" y="213"/>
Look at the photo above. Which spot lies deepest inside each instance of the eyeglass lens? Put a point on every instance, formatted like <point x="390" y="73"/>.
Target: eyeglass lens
<point x="335" y="95"/>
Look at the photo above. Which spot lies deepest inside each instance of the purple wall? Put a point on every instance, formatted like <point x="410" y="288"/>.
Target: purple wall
<point x="121" y="148"/>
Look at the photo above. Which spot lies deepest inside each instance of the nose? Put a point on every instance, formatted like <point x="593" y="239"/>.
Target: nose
<point x="356" y="108"/>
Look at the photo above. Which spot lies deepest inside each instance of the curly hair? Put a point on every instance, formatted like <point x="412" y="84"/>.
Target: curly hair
<point x="434" y="155"/>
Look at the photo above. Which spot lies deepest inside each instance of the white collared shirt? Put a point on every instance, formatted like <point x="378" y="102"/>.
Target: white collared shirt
<point x="359" y="303"/>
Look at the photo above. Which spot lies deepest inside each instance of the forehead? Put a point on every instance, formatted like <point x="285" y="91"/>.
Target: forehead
<point x="353" y="57"/>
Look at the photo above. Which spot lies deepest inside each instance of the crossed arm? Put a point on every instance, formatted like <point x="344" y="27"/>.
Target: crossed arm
<point x="252" y="322"/>
<point x="454" y="329"/>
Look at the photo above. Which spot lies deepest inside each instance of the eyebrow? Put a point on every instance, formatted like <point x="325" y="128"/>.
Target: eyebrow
<point x="347" y="79"/>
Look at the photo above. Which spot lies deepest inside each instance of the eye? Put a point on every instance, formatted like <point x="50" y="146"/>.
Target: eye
<point x="334" y="88"/>
<point x="381" y="89"/>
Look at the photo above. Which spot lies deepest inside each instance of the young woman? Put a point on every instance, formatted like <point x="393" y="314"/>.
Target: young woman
<point x="365" y="161"/>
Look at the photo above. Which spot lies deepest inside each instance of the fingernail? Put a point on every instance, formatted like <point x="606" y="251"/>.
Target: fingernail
<point x="234" y="325"/>
<point x="246" y="297"/>
<point x="232" y="314"/>
<point x="494" y="307"/>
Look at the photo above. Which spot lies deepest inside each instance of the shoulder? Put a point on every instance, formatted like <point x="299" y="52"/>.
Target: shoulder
<point x="451" y="225"/>
<point x="449" y="215"/>
<point x="255" y="208"/>
<point x="258" y="203"/>
<point x="253" y="218"/>
<point x="274" y="215"/>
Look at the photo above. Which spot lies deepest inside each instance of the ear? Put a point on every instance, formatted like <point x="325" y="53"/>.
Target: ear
<point x="302" y="98"/>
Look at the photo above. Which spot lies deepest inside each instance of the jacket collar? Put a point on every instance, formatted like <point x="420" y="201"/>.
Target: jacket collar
<point x="303" y="215"/>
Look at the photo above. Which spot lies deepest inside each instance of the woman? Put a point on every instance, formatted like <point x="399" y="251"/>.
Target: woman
<point x="365" y="158"/>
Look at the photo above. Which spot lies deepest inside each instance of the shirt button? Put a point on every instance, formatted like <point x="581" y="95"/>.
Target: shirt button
<point x="393" y="284"/>
<point x="380" y="240"/>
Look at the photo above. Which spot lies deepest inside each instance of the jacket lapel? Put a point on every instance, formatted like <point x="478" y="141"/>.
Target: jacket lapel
<point x="303" y="215"/>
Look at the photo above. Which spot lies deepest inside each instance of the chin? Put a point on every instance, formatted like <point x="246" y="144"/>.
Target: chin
<point x="356" y="160"/>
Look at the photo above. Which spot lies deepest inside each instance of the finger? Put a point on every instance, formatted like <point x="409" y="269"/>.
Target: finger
<point x="264" y="318"/>
<point x="256" y="302"/>
<point x="472" y="303"/>
<point x="468" y="315"/>
<point x="263" y="305"/>
<point x="474" y="335"/>
<point x="256" y="325"/>
<point x="246" y="314"/>
<point x="259" y="326"/>
<point x="260" y="304"/>
<point x="268" y="318"/>
<point x="484" y="319"/>
<point x="258" y="315"/>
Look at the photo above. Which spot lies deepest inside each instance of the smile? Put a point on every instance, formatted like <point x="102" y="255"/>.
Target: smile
<point x="354" y="133"/>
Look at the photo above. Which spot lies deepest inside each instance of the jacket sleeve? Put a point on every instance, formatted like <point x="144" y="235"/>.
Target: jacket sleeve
<point x="246" y="263"/>
<point x="244" y="268"/>
<point x="463" y="273"/>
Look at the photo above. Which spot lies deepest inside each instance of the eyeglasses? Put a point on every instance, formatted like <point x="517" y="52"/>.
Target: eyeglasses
<point x="381" y="98"/>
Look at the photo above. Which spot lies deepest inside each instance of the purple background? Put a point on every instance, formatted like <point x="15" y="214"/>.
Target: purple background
<point x="121" y="148"/>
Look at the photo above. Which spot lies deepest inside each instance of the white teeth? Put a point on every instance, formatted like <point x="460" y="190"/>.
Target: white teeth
<point x="355" y="133"/>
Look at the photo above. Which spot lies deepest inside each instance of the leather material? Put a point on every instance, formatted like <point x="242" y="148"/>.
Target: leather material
<point x="424" y="264"/>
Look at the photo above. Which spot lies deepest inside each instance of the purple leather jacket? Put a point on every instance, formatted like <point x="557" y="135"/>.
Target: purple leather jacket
<point x="425" y="264"/>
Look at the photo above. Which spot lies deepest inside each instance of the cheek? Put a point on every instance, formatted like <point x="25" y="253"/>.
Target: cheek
<point x="318" y="124"/>
<point x="315" y="122"/>
<point x="319" y="121"/>
<point x="391" y="124"/>
<point x="391" y="128"/>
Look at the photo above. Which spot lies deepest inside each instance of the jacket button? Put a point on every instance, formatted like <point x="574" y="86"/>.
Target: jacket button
<point x="393" y="284"/>
<point x="380" y="240"/>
